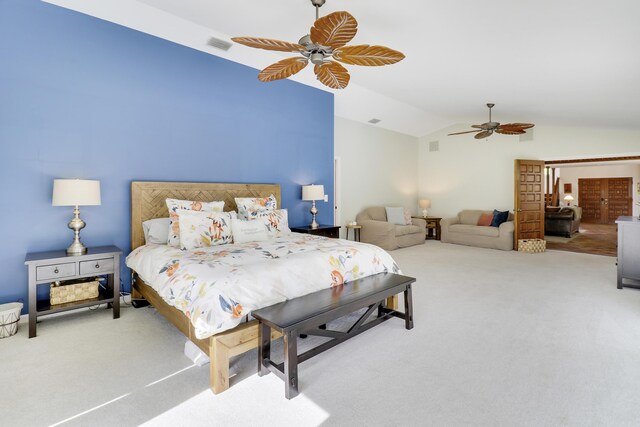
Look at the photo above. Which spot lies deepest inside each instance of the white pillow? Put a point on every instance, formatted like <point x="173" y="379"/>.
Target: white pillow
<point x="204" y="229"/>
<point x="174" y="204"/>
<point x="249" y="231"/>
<point x="156" y="230"/>
<point x="395" y="215"/>
<point x="248" y="207"/>
<point x="277" y="221"/>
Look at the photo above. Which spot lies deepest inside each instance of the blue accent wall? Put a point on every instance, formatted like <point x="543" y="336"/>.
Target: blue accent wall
<point x="84" y="98"/>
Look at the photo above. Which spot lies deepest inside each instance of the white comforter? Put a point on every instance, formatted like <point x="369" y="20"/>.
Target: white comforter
<point x="217" y="286"/>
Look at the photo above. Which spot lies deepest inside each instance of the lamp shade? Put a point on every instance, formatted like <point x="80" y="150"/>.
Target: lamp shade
<point x="313" y="192"/>
<point x="424" y="203"/>
<point x="568" y="198"/>
<point x="75" y="192"/>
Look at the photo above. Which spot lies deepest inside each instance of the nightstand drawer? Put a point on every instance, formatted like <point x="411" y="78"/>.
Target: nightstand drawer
<point x="56" y="271"/>
<point x="96" y="266"/>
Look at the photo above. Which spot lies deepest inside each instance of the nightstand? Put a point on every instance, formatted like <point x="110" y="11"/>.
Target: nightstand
<point x="433" y="227"/>
<point x="47" y="267"/>
<point x="332" y="231"/>
<point x="356" y="231"/>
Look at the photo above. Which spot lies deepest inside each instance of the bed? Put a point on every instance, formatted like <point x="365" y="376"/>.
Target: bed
<point x="148" y="202"/>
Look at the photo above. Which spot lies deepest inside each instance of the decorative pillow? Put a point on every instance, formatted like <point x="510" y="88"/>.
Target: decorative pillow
<point x="174" y="204"/>
<point x="485" y="219"/>
<point x="249" y="231"/>
<point x="248" y="207"/>
<point x="407" y="217"/>
<point x="204" y="229"/>
<point x="395" y="215"/>
<point x="276" y="221"/>
<point x="499" y="217"/>
<point x="156" y="231"/>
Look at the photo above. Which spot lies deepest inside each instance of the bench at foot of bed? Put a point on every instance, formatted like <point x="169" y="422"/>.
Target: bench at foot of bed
<point x="306" y="315"/>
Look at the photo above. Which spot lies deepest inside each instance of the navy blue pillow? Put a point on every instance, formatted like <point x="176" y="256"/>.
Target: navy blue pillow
<point x="499" y="218"/>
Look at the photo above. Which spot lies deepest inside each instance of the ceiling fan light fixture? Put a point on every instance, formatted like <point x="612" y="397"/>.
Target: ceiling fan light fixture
<point x="326" y="40"/>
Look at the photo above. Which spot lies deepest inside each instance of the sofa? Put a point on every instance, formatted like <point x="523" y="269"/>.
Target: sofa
<point x="463" y="230"/>
<point x="564" y="222"/>
<point x="376" y="230"/>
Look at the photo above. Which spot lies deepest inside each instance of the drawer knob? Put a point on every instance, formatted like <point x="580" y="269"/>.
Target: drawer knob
<point x="56" y="270"/>
<point x="97" y="265"/>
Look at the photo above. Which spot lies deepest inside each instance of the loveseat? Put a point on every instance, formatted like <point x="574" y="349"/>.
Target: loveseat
<point x="565" y="222"/>
<point x="463" y="230"/>
<point x="376" y="230"/>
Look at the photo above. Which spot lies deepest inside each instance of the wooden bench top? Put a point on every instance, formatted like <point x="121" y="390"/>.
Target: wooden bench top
<point x="288" y="314"/>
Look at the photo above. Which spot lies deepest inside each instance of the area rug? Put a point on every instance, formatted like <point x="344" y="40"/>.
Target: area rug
<point x="597" y="239"/>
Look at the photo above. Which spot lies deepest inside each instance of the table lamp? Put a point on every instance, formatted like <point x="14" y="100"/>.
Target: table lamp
<point x="76" y="192"/>
<point x="424" y="204"/>
<point x="313" y="193"/>
<point x="568" y="198"/>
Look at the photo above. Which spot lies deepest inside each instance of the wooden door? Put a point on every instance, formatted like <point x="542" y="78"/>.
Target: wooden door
<point x="529" y="200"/>
<point x="590" y="195"/>
<point x="603" y="200"/>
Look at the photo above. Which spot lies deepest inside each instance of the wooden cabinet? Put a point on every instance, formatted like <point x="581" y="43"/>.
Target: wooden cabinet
<point x="47" y="267"/>
<point x="628" y="251"/>
<point x="323" y="230"/>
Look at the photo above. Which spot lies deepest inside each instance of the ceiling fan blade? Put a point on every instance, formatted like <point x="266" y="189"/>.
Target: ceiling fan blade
<point x="332" y="74"/>
<point x="368" y="55"/>
<point x="282" y="69"/>
<point x="485" y="134"/>
<point x="508" y="131"/>
<point x="517" y="125"/>
<point x="334" y="30"/>
<point x="269" y="44"/>
<point x="461" y="133"/>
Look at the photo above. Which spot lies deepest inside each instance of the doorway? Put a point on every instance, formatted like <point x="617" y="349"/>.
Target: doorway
<point x="603" y="200"/>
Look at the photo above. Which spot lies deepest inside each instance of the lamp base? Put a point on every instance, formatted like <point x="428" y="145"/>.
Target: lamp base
<point x="425" y="213"/>
<point x="314" y="211"/>
<point x="76" y="248"/>
<point x="76" y="224"/>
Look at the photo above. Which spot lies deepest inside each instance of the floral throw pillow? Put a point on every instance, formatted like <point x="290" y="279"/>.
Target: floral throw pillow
<point x="174" y="204"/>
<point x="407" y="217"/>
<point x="276" y="221"/>
<point x="248" y="207"/>
<point x="203" y="229"/>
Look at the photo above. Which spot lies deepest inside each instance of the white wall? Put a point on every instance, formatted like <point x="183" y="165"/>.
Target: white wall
<point x="478" y="174"/>
<point x="378" y="167"/>
<point x="572" y="174"/>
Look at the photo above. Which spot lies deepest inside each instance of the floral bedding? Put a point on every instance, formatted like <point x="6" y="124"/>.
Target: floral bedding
<point x="215" y="287"/>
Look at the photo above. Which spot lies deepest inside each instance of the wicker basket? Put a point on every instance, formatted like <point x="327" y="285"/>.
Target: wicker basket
<point x="63" y="293"/>
<point x="532" y="246"/>
<point x="9" y="317"/>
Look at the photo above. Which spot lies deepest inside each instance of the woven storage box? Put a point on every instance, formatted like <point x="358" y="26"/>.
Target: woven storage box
<point x="532" y="246"/>
<point x="73" y="292"/>
<point x="9" y="317"/>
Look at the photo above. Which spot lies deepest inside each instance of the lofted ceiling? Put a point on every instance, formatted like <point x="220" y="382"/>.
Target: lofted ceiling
<point x="549" y="62"/>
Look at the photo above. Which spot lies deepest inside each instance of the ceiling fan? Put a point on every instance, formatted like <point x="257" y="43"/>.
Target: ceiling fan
<point x="327" y="39"/>
<point x="485" y="130"/>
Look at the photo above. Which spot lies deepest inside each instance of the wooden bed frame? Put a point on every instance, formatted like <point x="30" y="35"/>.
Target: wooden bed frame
<point x="148" y="202"/>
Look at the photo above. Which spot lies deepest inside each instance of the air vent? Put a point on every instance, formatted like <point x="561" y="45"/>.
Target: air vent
<point x="527" y="136"/>
<point x="219" y="44"/>
<point x="434" y="146"/>
<point x="374" y="121"/>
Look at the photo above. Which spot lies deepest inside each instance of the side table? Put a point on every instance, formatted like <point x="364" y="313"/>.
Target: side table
<point x="46" y="267"/>
<point x="356" y="231"/>
<point x="323" y="230"/>
<point x="433" y="227"/>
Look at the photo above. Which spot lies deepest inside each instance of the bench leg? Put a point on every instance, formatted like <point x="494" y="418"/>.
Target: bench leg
<point x="408" y="308"/>
<point x="290" y="364"/>
<point x="264" y="349"/>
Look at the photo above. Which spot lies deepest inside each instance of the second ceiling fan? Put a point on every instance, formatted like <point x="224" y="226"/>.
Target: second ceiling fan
<point x="327" y="39"/>
<point x="485" y="130"/>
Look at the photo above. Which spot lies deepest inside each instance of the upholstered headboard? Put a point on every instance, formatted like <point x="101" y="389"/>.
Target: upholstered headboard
<point x="148" y="199"/>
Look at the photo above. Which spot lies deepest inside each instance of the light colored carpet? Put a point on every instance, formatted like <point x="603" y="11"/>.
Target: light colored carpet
<point x="500" y="339"/>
